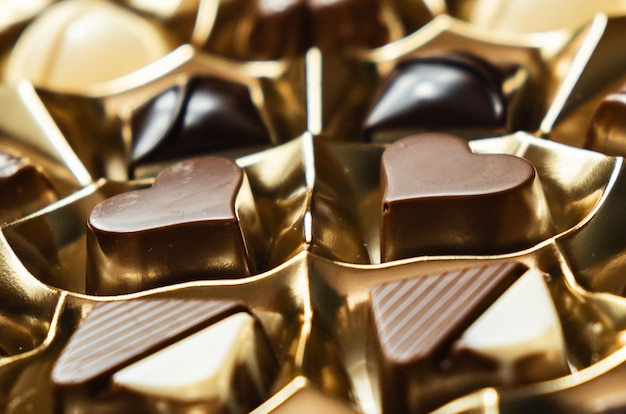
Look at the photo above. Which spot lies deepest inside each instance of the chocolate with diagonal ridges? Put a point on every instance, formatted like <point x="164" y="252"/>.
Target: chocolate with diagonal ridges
<point x="115" y="334"/>
<point x="417" y="320"/>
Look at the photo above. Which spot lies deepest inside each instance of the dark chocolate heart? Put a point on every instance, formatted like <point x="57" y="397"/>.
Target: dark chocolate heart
<point x="440" y="198"/>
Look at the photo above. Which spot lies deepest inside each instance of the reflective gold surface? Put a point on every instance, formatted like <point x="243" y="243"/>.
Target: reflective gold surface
<point x="317" y="192"/>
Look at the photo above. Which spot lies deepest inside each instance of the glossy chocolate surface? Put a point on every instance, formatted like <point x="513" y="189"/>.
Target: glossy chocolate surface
<point x="449" y="92"/>
<point x="319" y="195"/>
<point x="196" y="222"/>
<point x="440" y="198"/>
<point x="205" y="115"/>
<point x="416" y="320"/>
<point x="24" y="188"/>
<point x="116" y="335"/>
<point x="607" y="132"/>
<point x="289" y="28"/>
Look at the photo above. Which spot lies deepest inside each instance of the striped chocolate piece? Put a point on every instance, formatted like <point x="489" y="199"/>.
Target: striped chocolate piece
<point x="417" y="320"/>
<point x="116" y="334"/>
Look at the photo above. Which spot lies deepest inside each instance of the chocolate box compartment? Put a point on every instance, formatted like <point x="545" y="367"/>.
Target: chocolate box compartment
<point x="340" y="298"/>
<point x="27" y="130"/>
<point x="276" y="298"/>
<point x="522" y="16"/>
<point x="572" y="195"/>
<point x="591" y="66"/>
<point x="349" y="84"/>
<point x="98" y="123"/>
<point x="52" y="245"/>
<point x="256" y="30"/>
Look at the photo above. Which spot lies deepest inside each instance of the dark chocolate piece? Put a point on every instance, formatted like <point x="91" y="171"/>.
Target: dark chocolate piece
<point x="415" y="323"/>
<point x="443" y="93"/>
<point x="272" y="30"/>
<point x="206" y="115"/>
<point x="24" y="188"/>
<point x="276" y="30"/>
<point x="198" y="221"/>
<point x="607" y="132"/>
<point x="340" y="25"/>
<point x="441" y="199"/>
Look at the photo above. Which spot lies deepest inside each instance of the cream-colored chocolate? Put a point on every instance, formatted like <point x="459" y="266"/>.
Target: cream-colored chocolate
<point x="76" y="44"/>
<point x="202" y="368"/>
<point x="520" y="325"/>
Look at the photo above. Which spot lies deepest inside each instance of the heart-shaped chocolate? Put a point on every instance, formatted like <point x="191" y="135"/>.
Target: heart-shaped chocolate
<point x="208" y="114"/>
<point x="439" y="93"/>
<point x="441" y="199"/>
<point x="198" y="221"/>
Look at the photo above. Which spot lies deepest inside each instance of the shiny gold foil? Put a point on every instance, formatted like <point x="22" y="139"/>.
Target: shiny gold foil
<point x="318" y="194"/>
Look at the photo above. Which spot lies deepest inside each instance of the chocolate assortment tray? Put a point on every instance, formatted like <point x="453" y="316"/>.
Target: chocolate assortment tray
<point x="354" y="206"/>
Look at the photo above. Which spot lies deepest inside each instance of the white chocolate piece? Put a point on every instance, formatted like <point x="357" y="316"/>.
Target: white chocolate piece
<point x="199" y="367"/>
<point x="76" y="44"/>
<point x="12" y="11"/>
<point x="522" y="322"/>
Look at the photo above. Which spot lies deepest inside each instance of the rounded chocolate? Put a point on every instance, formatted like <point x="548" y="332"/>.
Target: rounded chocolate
<point x="206" y="115"/>
<point x="449" y="92"/>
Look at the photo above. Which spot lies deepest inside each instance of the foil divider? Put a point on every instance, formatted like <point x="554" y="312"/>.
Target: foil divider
<point x="52" y="331"/>
<point x="204" y="22"/>
<point x="619" y="164"/>
<point x="28" y="120"/>
<point x="577" y="67"/>
<point x="313" y="67"/>
<point x="309" y="181"/>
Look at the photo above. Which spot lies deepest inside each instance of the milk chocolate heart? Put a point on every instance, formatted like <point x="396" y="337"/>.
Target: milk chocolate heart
<point x="208" y="114"/>
<point x="440" y="93"/>
<point x="441" y="199"/>
<point x="198" y="221"/>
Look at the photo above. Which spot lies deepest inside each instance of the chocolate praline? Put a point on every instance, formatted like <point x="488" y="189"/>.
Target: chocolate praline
<point x="198" y="221"/>
<point x="607" y="131"/>
<point x="24" y="188"/>
<point x="274" y="30"/>
<point x="442" y="93"/>
<point x="203" y="116"/>
<point x="439" y="198"/>
<point x="106" y="365"/>
<point x="437" y="337"/>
